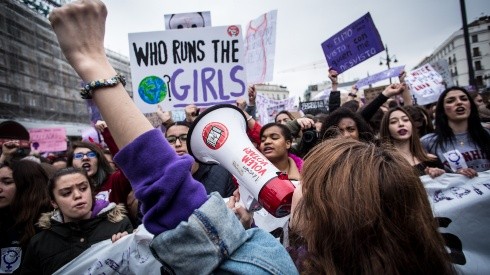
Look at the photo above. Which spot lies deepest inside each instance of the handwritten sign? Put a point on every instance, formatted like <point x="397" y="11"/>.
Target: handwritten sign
<point x="393" y="72"/>
<point x="425" y="84"/>
<point x="442" y="67"/>
<point x="48" y="139"/>
<point x="260" y="43"/>
<point x="174" y="68"/>
<point x="352" y="45"/>
<point x="267" y="108"/>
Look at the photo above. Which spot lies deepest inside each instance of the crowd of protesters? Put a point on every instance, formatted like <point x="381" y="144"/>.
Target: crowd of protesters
<point x="359" y="205"/>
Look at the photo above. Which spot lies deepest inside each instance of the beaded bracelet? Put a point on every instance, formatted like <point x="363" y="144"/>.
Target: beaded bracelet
<point x="89" y="87"/>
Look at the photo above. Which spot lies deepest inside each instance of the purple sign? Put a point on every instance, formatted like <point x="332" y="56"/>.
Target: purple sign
<point x="352" y="45"/>
<point x="393" y="72"/>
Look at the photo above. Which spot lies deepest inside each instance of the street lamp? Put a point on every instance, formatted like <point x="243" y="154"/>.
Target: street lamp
<point x="388" y="59"/>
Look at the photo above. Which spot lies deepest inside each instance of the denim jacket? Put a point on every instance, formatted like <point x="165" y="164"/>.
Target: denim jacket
<point x="213" y="241"/>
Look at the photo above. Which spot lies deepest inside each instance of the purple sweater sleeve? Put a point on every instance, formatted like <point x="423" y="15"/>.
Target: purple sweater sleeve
<point x="161" y="181"/>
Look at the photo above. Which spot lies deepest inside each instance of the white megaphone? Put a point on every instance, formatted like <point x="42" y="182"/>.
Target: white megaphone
<point x="218" y="136"/>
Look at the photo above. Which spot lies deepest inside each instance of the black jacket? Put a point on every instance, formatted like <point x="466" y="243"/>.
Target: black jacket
<point x="60" y="242"/>
<point x="11" y="252"/>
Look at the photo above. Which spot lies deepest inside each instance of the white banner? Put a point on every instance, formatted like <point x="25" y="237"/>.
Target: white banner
<point x="129" y="255"/>
<point x="425" y="84"/>
<point x="462" y="207"/>
<point x="174" y="68"/>
<point x="260" y="44"/>
<point x="267" y="108"/>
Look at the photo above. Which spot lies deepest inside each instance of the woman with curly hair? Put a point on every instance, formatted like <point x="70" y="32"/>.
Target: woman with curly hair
<point x="345" y="123"/>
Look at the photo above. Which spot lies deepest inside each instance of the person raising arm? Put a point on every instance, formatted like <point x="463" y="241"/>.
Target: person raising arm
<point x="175" y="206"/>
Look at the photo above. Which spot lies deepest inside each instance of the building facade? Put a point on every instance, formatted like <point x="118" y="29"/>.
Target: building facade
<point x="453" y="51"/>
<point x="38" y="88"/>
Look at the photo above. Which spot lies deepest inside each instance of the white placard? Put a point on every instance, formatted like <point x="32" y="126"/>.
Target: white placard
<point x="174" y="68"/>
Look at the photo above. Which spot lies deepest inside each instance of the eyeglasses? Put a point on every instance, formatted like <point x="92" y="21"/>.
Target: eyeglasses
<point x="90" y="154"/>
<point x="173" y="139"/>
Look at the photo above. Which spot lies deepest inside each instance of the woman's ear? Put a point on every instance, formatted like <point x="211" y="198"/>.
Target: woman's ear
<point x="288" y="144"/>
<point x="54" y="204"/>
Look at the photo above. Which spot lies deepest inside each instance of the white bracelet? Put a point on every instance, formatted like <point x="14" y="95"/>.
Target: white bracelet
<point x="248" y="119"/>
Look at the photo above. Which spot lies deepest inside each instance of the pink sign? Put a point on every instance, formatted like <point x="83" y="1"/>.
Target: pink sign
<point x="48" y="139"/>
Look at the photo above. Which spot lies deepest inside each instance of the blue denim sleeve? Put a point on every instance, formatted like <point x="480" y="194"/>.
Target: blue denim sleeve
<point x="214" y="241"/>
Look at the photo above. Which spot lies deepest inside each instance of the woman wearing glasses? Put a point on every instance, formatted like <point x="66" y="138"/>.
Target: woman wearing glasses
<point x="110" y="185"/>
<point x="215" y="178"/>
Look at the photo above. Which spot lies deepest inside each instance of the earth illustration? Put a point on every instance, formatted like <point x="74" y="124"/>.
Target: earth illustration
<point x="152" y="89"/>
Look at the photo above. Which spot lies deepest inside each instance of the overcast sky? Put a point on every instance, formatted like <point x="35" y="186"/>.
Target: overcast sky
<point x="412" y="29"/>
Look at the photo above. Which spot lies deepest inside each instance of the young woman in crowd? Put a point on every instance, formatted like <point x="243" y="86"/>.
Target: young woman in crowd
<point x="459" y="140"/>
<point x="397" y="129"/>
<point x="345" y="123"/>
<point x="283" y="117"/>
<point x="10" y="240"/>
<point x="110" y="185"/>
<point x="185" y="221"/>
<point x="78" y="222"/>
<point x="215" y="178"/>
<point x="23" y="197"/>
<point x="421" y="119"/>
<point x="275" y="143"/>
<point x="31" y="198"/>
<point x="374" y="220"/>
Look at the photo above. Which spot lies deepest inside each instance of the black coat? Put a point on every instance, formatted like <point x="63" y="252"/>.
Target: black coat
<point x="60" y="242"/>
<point x="10" y="250"/>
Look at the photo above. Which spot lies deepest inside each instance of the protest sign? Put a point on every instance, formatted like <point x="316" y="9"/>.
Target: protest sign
<point x="198" y="19"/>
<point x="352" y="45"/>
<point x="313" y="107"/>
<point x="48" y="139"/>
<point x="372" y="93"/>
<point x="460" y="205"/>
<point x="425" y="84"/>
<point x="442" y="67"/>
<point x="202" y="66"/>
<point x="267" y="108"/>
<point x="393" y="72"/>
<point x="260" y="43"/>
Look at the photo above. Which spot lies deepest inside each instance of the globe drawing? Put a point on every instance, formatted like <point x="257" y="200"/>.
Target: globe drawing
<point x="152" y="89"/>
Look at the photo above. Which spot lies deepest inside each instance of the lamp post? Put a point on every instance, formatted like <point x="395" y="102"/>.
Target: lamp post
<point x="388" y="59"/>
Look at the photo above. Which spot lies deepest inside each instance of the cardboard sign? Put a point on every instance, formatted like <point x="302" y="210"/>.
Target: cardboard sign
<point x="372" y="93"/>
<point x="202" y="66"/>
<point x="352" y="45"/>
<point x="48" y="139"/>
<point x="393" y="72"/>
<point x="425" y="84"/>
<point x="260" y="44"/>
